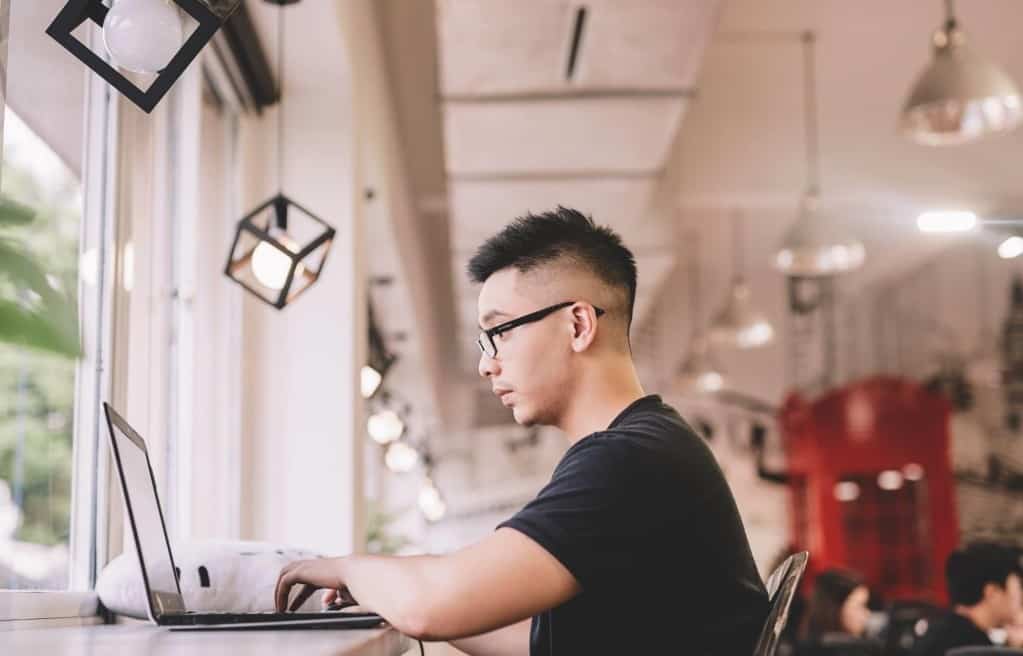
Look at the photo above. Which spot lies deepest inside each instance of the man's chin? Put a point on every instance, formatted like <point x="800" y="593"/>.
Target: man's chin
<point x="522" y="418"/>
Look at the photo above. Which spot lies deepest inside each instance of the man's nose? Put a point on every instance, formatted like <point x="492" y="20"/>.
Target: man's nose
<point x="488" y="366"/>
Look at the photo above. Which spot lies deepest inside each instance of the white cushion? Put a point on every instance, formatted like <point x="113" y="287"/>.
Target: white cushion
<point x="240" y="577"/>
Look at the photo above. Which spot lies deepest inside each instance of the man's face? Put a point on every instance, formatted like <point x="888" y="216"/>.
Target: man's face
<point x="1006" y="600"/>
<point x="1013" y="597"/>
<point x="531" y="372"/>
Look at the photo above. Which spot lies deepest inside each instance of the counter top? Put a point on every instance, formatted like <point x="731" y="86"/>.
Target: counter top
<point x="126" y="640"/>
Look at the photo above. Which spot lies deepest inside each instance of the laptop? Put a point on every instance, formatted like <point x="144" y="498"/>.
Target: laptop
<point x="166" y="606"/>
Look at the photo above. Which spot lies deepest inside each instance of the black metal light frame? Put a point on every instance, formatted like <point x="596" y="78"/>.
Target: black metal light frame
<point x="209" y="14"/>
<point x="380" y="359"/>
<point x="281" y="205"/>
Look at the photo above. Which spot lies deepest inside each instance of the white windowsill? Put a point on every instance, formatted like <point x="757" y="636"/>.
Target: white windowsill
<point x="27" y="605"/>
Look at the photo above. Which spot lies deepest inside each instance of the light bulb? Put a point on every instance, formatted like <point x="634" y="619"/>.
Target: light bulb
<point x="143" y="35"/>
<point x="370" y="380"/>
<point x="847" y="491"/>
<point x="890" y="480"/>
<point x="401" y="458"/>
<point x="1010" y="248"/>
<point x="431" y="503"/>
<point x="385" y="426"/>
<point x="946" y="221"/>
<point x="270" y="266"/>
<point x="710" y="381"/>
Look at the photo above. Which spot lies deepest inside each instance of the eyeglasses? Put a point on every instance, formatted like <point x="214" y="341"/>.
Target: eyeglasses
<point x="486" y="338"/>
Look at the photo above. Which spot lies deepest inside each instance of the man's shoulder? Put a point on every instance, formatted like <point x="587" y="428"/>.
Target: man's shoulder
<point x="947" y="632"/>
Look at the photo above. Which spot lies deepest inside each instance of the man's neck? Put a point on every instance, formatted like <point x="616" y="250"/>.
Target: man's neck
<point x="600" y="398"/>
<point x="979" y="615"/>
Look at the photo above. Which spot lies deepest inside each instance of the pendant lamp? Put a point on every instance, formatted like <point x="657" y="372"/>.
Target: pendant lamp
<point x="739" y="324"/>
<point x="699" y="373"/>
<point x="960" y="96"/>
<point x="815" y="245"/>
<point x="280" y="247"/>
<point x="142" y="36"/>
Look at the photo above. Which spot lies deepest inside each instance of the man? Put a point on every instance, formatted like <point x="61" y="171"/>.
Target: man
<point x="636" y="545"/>
<point x="984" y="590"/>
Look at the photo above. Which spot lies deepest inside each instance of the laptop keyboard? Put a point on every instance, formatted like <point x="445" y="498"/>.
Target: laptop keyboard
<point x="221" y="617"/>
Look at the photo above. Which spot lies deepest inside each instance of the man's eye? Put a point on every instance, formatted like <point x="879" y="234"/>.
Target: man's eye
<point x="501" y="334"/>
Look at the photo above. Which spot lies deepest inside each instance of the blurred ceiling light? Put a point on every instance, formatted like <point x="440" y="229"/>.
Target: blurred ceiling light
<point x="816" y="245"/>
<point x="1011" y="247"/>
<point x="401" y="457"/>
<point x="385" y="426"/>
<point x="890" y="480"/>
<point x="699" y="373"/>
<point x="128" y="272"/>
<point x="739" y="324"/>
<point x="946" y="221"/>
<point x="913" y="472"/>
<point x="960" y="96"/>
<point x="369" y="381"/>
<point x="847" y="491"/>
<point x="431" y="503"/>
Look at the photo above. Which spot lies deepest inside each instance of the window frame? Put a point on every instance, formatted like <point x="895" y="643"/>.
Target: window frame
<point x="78" y="604"/>
<point x="131" y="163"/>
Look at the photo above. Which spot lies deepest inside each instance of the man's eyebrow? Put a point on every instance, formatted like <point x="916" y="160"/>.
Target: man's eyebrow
<point x="490" y="316"/>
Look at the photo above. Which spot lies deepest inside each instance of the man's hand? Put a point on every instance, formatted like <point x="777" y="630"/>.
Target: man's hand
<point x="313" y="575"/>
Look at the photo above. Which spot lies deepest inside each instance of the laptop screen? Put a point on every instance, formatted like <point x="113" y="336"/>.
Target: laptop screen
<point x="143" y="506"/>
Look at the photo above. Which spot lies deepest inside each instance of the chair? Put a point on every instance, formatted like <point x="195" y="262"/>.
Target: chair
<point x="781" y="588"/>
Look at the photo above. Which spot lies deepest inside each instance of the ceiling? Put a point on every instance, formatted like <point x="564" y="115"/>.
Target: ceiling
<point x="678" y="115"/>
<point x="522" y="135"/>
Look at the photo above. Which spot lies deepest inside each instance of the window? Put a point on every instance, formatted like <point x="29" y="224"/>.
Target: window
<point x="37" y="388"/>
<point x="56" y="139"/>
<point x="43" y="128"/>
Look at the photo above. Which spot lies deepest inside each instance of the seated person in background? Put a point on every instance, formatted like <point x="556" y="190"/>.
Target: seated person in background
<point x="836" y="617"/>
<point x="984" y="590"/>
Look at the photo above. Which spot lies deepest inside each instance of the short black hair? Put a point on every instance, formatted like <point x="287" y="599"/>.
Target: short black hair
<point x="533" y="240"/>
<point x="968" y="569"/>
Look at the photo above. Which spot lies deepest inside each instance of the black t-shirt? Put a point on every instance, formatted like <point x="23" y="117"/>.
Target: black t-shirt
<point x="641" y="515"/>
<point x="950" y="632"/>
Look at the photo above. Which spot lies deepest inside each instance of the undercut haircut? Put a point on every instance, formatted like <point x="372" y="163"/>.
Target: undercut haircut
<point x="560" y="235"/>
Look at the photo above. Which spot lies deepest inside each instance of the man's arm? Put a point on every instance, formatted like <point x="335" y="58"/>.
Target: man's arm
<point x="512" y="640"/>
<point x="502" y="580"/>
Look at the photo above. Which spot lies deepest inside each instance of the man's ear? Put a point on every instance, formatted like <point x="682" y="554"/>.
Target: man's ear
<point x="991" y="590"/>
<point x="584" y="327"/>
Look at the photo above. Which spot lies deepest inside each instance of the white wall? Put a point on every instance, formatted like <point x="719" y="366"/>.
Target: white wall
<point x="301" y="407"/>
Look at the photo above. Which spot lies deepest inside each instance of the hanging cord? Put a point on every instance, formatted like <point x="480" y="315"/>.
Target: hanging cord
<point x="986" y="335"/>
<point x="738" y="254"/>
<point x="280" y="97"/>
<point x="950" y="14"/>
<point x="694" y="284"/>
<point x="810" y="100"/>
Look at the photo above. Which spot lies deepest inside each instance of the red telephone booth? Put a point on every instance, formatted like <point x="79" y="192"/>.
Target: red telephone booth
<point x="871" y="484"/>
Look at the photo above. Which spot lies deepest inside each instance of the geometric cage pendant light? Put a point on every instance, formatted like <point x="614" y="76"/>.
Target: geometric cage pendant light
<point x="960" y="96"/>
<point x="280" y="247"/>
<point x="815" y="245"/>
<point x="142" y="36"/>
